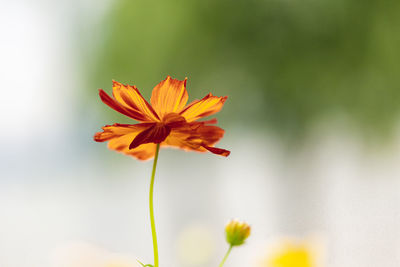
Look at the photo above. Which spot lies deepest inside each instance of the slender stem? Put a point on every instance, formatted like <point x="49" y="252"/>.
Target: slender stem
<point x="153" y="225"/>
<point x="226" y="256"/>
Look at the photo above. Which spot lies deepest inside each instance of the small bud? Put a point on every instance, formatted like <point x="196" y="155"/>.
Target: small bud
<point x="236" y="232"/>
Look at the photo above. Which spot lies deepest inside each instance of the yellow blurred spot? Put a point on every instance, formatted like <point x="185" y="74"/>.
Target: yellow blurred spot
<point x="292" y="256"/>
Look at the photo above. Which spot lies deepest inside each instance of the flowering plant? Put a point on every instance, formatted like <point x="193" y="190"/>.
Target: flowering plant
<point x="165" y="122"/>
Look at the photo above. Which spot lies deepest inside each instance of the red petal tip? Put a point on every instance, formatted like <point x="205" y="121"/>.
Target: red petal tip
<point x="218" y="151"/>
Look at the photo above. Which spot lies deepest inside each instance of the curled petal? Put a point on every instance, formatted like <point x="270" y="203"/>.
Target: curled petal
<point x="155" y="134"/>
<point x="169" y="96"/>
<point x="130" y="98"/>
<point x="218" y="151"/>
<point x="201" y="108"/>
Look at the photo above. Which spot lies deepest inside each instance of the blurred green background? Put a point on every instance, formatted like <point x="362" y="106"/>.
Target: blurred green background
<point x="284" y="64"/>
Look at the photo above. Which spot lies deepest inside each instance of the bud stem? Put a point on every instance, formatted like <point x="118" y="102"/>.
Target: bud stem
<point x="226" y="256"/>
<point x="153" y="225"/>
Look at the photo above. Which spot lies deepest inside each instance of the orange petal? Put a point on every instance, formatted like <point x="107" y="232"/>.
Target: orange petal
<point x="180" y="141"/>
<point x="169" y="96"/>
<point x="118" y="130"/>
<point x="121" y="135"/>
<point x="142" y="152"/>
<point x="112" y="103"/>
<point x="155" y="134"/>
<point x="199" y="133"/>
<point x="130" y="98"/>
<point x="198" y="137"/>
<point x="209" y="135"/>
<point x="201" y="108"/>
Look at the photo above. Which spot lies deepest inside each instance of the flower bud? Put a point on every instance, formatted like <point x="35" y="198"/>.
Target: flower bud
<point x="236" y="232"/>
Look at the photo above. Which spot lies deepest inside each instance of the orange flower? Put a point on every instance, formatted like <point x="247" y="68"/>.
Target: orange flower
<point x="167" y="121"/>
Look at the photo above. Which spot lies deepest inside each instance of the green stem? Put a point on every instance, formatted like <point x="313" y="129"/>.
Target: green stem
<point x="153" y="225"/>
<point x="226" y="256"/>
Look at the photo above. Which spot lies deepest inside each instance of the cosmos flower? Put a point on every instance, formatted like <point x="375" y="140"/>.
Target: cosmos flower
<point x="166" y="121"/>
